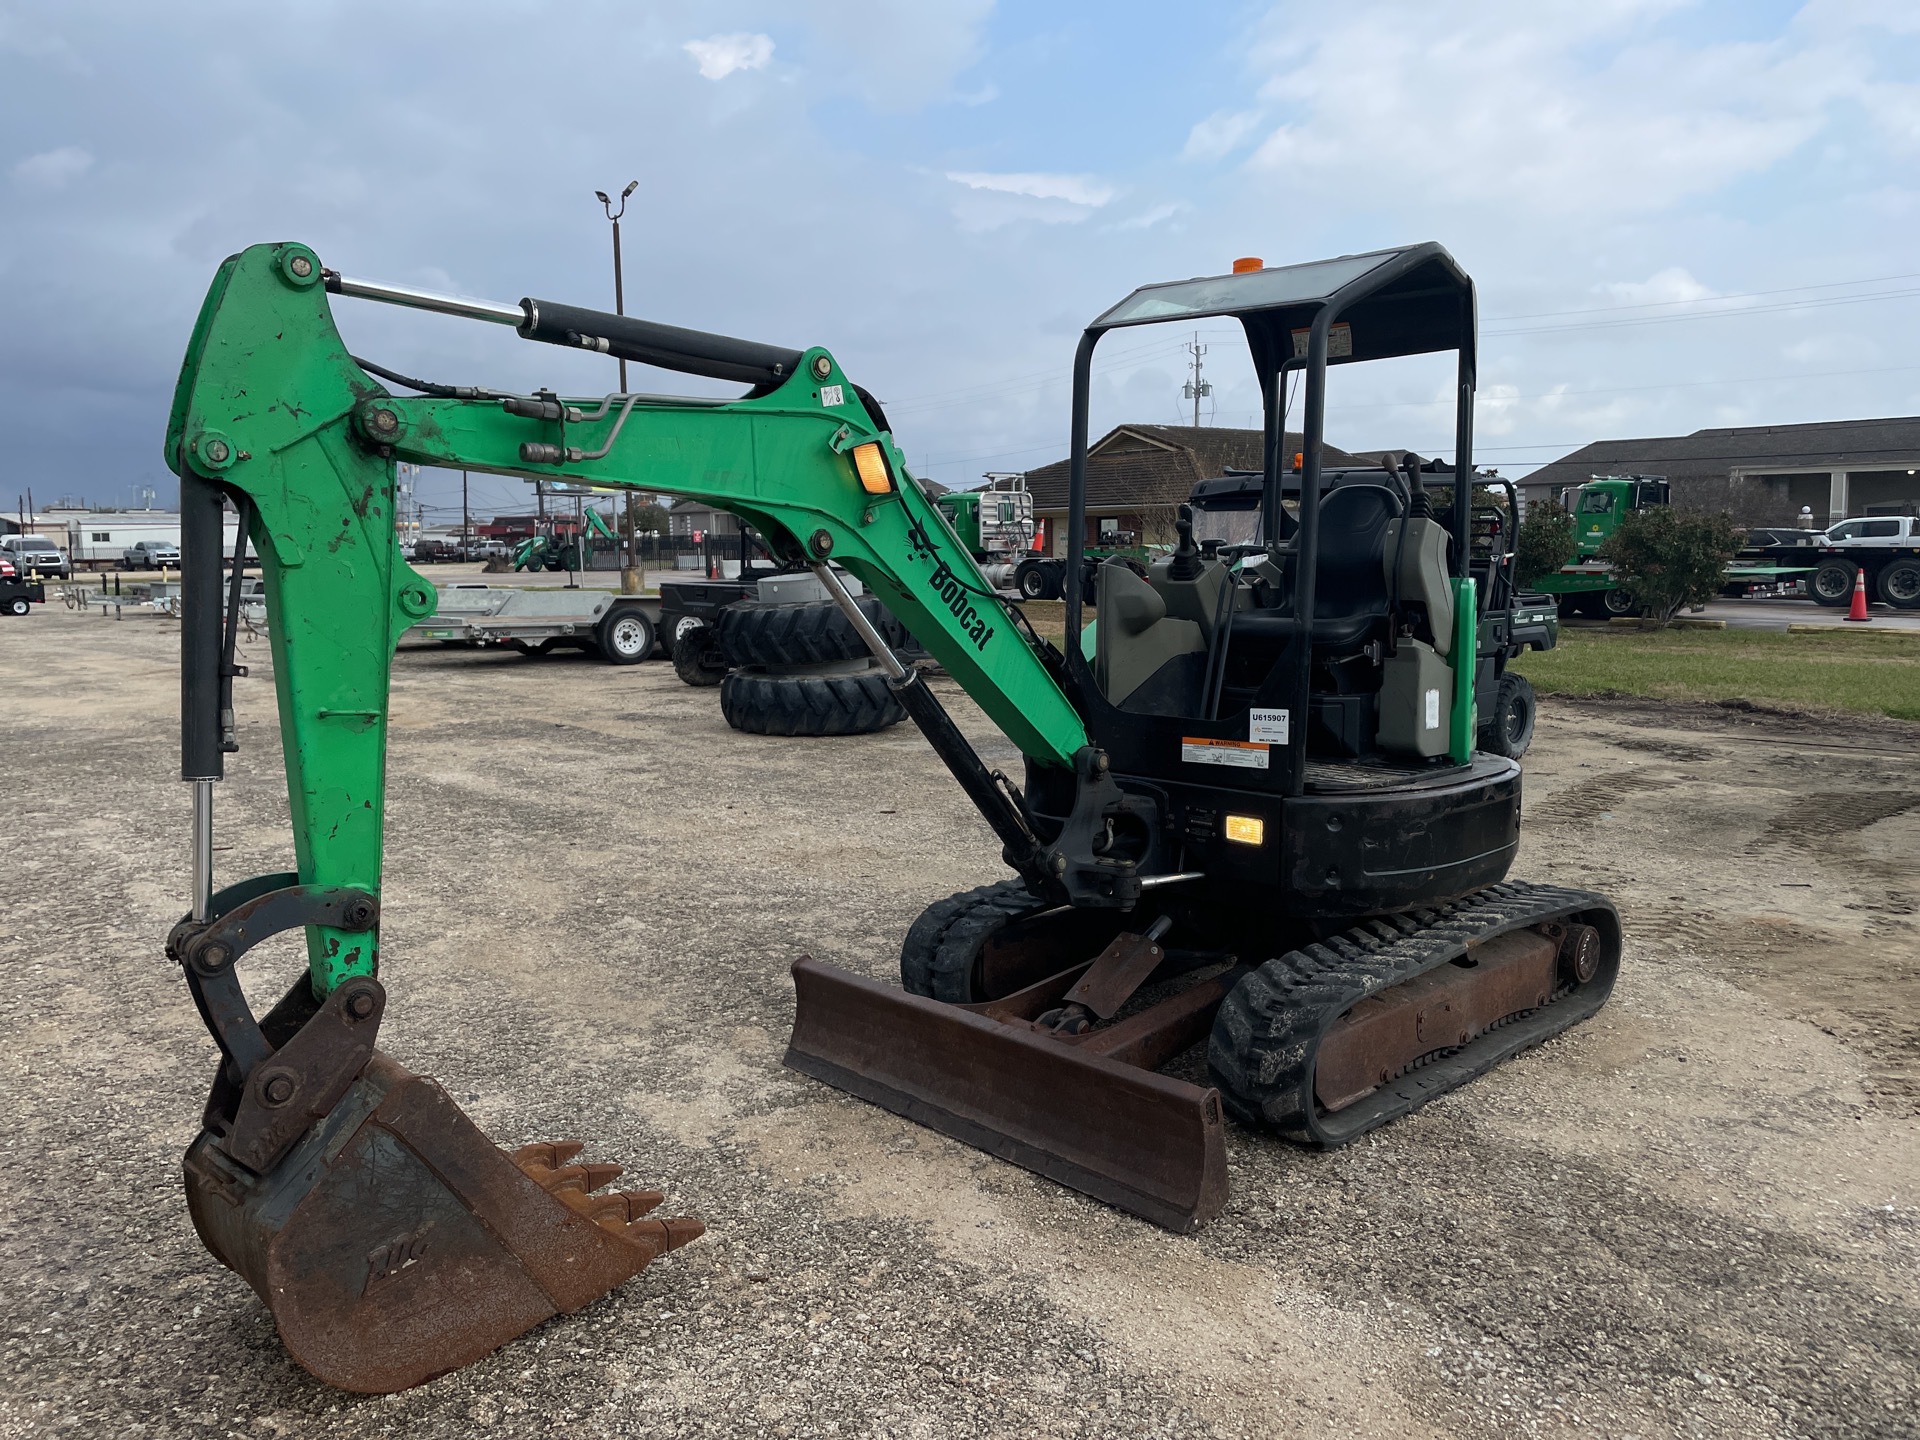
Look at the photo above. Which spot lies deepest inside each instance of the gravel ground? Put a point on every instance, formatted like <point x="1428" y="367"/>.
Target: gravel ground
<point x="1695" y="1215"/>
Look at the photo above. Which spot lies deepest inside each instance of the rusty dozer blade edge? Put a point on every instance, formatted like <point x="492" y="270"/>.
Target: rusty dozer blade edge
<point x="1130" y="1137"/>
<point x="396" y="1242"/>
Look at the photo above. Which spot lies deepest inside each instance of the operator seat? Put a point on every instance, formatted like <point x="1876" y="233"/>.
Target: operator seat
<point x="1350" y="592"/>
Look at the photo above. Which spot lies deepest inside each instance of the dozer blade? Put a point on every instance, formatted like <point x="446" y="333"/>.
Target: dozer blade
<point x="395" y="1242"/>
<point x="1137" y="1140"/>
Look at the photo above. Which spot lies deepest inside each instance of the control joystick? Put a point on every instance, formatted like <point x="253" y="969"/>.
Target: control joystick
<point x="1186" y="561"/>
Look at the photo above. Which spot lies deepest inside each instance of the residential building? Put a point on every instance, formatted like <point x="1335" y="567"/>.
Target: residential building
<point x="1138" y="475"/>
<point x="1763" y="474"/>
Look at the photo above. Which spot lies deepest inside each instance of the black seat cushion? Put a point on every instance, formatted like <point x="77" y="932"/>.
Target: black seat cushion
<point x="1350" y="598"/>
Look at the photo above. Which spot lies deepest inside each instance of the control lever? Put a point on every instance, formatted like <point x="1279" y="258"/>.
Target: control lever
<point x="1186" y="561"/>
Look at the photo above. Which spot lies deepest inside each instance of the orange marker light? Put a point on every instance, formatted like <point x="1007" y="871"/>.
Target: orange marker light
<point x="1248" y="262"/>
<point x="871" y="466"/>
<point x="1246" y="829"/>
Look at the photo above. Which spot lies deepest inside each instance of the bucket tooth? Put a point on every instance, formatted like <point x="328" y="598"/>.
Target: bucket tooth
<point x="548" y="1155"/>
<point x="582" y="1178"/>
<point x="395" y="1242"/>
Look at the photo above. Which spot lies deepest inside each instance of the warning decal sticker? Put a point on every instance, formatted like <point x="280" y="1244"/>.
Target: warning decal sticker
<point x="1200" y="751"/>
<point x="1339" y="342"/>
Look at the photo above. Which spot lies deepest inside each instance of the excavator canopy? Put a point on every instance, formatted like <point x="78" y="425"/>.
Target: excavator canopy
<point x="1410" y="300"/>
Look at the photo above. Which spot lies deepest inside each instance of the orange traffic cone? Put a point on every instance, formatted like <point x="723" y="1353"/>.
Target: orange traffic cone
<point x="1859" y="610"/>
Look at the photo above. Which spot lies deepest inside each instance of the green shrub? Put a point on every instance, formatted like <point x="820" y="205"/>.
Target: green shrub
<point x="1671" y="558"/>
<point x="1545" y="542"/>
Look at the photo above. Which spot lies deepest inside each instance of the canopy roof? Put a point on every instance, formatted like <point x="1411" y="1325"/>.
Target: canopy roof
<point x="1405" y="301"/>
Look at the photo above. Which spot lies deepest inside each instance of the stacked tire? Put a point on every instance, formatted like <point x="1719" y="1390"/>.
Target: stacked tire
<point x="803" y="669"/>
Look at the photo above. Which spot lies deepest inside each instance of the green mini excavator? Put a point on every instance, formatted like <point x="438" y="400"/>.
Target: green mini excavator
<point x="1251" y="816"/>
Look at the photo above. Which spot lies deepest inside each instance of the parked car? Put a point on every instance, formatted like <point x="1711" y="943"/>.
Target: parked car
<point x="1765" y="542"/>
<point x="31" y="553"/>
<point x="150" y="555"/>
<point x="487" y="550"/>
<point x="426" y="552"/>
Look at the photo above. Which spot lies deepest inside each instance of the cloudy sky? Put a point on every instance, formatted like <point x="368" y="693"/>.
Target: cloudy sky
<point x="1678" y="214"/>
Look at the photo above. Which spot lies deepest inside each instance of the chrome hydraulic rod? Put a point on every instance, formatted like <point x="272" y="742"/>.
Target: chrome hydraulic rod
<point x="408" y="296"/>
<point x="856" y="617"/>
<point x="202" y="847"/>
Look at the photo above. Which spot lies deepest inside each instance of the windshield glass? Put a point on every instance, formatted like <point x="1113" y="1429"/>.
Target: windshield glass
<point x="1229" y="527"/>
<point x="1596" y="502"/>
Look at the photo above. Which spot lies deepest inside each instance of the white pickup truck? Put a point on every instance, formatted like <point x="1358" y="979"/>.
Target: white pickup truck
<point x="1886" y="548"/>
<point x="36" y="555"/>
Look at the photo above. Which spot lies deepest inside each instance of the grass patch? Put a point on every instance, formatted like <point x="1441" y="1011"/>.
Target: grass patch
<point x="1049" y="618"/>
<point x="1870" y="674"/>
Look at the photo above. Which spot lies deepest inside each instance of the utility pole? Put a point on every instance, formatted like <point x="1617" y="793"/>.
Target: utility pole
<point x="466" y="517"/>
<point x="630" y="574"/>
<point x="1195" y="388"/>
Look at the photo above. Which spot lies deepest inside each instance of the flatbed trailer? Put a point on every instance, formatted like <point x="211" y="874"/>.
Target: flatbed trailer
<point x="622" y="628"/>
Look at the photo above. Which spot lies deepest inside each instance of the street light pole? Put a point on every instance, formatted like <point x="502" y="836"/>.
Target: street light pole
<point x="630" y="573"/>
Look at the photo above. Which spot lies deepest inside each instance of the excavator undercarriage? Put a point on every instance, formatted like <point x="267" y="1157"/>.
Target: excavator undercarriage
<point x="1258" y="868"/>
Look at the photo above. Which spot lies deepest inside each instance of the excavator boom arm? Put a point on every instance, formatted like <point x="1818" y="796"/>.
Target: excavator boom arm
<point x="272" y="408"/>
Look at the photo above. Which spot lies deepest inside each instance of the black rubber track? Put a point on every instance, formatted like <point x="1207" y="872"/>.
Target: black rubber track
<point x="1267" y="1034"/>
<point x="857" y="703"/>
<point x="937" y="958"/>
<point x="812" y="633"/>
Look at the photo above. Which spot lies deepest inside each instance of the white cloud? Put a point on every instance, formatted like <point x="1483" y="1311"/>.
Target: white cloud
<point x="721" y="55"/>
<point x="1219" y="134"/>
<point x="54" y="169"/>
<point x="1496" y="409"/>
<point x="16" y="38"/>
<point x="898" y="57"/>
<point x="1550" y="107"/>
<point x="1895" y="108"/>
<point x="1146" y="220"/>
<point x="1667" y="287"/>
<point x="985" y="95"/>
<point x="1084" y="190"/>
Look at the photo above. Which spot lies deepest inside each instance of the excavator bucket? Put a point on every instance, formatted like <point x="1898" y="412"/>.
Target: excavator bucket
<point x="394" y="1242"/>
<point x="1086" y="1110"/>
<point x="390" y="1238"/>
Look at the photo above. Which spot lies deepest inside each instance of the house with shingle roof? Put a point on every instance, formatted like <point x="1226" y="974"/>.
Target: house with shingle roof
<point x="1762" y="474"/>
<point x="1138" y="475"/>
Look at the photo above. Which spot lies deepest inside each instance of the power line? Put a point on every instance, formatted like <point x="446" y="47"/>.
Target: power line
<point x="1640" y="320"/>
<point x="1701" y="299"/>
<point x="1196" y="389"/>
<point x="1629" y="389"/>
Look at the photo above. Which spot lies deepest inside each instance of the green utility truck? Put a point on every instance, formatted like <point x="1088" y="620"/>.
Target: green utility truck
<point x="993" y="523"/>
<point x="1585" y="584"/>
